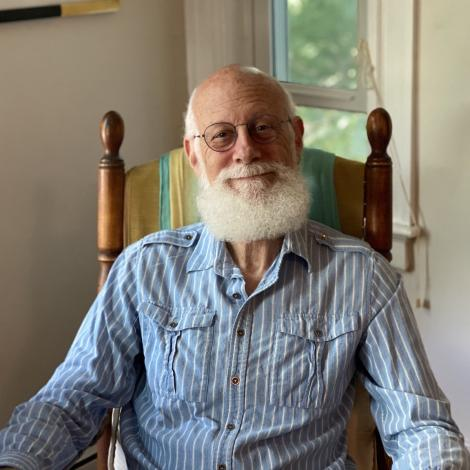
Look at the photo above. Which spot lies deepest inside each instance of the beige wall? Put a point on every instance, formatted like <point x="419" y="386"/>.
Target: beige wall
<point x="57" y="78"/>
<point x="444" y="172"/>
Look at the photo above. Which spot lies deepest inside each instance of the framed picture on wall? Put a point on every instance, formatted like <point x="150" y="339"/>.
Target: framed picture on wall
<point x="18" y="10"/>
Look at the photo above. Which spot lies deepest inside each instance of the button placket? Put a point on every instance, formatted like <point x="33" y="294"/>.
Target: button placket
<point x="235" y="288"/>
<point x="237" y="371"/>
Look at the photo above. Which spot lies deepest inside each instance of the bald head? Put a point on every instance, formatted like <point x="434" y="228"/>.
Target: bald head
<point x="223" y="85"/>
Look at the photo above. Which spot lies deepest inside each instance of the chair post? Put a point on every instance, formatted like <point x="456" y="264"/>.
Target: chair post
<point x="110" y="194"/>
<point x="378" y="210"/>
<point x="110" y="229"/>
<point x="378" y="184"/>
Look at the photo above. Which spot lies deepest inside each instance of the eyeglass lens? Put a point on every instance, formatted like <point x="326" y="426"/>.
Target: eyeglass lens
<point x="223" y="135"/>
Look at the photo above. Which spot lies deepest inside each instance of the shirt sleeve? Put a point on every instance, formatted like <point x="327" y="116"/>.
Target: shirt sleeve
<point x="98" y="373"/>
<point x="411" y="412"/>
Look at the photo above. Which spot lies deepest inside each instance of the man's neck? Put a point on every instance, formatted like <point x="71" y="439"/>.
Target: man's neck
<point x="254" y="258"/>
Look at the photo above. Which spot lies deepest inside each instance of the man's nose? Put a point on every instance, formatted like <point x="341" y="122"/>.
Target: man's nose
<point x="246" y="149"/>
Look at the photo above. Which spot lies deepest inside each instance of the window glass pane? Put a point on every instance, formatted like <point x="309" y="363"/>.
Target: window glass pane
<point x="339" y="132"/>
<point x="322" y="42"/>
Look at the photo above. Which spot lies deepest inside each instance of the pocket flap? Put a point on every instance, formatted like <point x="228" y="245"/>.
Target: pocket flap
<point x="340" y="327"/>
<point x="308" y="328"/>
<point x="194" y="320"/>
<point x="176" y="320"/>
<point x="298" y="325"/>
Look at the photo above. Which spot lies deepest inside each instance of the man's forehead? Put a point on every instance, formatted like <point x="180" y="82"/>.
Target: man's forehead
<point x="231" y="93"/>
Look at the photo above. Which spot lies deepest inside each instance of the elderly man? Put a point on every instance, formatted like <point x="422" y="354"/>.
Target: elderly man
<point x="233" y="344"/>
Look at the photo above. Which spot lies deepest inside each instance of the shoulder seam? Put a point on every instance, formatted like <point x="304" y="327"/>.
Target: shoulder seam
<point x="183" y="237"/>
<point x="336" y="240"/>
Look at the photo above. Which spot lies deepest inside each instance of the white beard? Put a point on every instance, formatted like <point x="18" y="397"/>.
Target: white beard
<point x="255" y="210"/>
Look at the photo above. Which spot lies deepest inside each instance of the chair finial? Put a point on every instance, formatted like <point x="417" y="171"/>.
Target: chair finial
<point x="379" y="130"/>
<point x="112" y="133"/>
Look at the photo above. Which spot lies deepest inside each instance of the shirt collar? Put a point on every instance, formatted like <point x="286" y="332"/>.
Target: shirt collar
<point x="209" y="253"/>
<point x="298" y="243"/>
<point x="212" y="253"/>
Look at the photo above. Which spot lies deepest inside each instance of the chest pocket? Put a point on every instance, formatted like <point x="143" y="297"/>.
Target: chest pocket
<point x="302" y="351"/>
<point x="177" y="346"/>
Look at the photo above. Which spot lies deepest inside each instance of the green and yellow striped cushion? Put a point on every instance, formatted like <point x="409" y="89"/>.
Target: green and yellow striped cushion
<point x="161" y="194"/>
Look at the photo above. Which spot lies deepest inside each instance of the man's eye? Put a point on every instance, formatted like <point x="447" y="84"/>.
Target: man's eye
<point x="222" y="135"/>
<point x="263" y="128"/>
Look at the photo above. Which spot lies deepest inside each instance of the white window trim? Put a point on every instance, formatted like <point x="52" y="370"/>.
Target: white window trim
<point x="221" y="32"/>
<point x="392" y="41"/>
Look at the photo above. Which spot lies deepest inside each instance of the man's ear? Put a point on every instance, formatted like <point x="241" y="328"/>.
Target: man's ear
<point x="298" y="126"/>
<point x="190" y="152"/>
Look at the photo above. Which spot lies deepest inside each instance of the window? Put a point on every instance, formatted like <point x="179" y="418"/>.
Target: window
<point x="220" y="32"/>
<point x="315" y="54"/>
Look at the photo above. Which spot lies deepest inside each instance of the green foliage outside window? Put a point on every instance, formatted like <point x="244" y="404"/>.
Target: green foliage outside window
<point x="322" y="45"/>
<point x="322" y="42"/>
<point x="339" y="132"/>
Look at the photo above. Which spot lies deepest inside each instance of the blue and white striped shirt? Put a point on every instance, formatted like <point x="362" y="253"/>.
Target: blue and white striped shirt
<point x="209" y="377"/>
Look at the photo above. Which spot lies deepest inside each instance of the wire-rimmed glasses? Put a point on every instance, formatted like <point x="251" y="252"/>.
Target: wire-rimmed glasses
<point x="221" y="136"/>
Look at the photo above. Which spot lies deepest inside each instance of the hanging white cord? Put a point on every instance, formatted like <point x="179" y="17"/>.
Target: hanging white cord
<point x="368" y="80"/>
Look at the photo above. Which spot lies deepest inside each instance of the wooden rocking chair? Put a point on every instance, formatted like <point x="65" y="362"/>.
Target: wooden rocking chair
<point x="364" y="200"/>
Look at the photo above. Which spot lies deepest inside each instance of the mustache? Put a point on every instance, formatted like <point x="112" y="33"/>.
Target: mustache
<point x="251" y="169"/>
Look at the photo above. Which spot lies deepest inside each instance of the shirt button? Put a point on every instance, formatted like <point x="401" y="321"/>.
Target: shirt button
<point x="323" y="236"/>
<point x="240" y="332"/>
<point x="230" y="426"/>
<point x="173" y="324"/>
<point x="235" y="380"/>
<point x="236" y="296"/>
<point x="221" y="467"/>
<point x="318" y="333"/>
